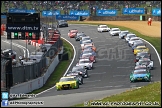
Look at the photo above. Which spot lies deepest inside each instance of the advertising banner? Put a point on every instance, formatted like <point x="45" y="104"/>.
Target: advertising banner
<point x="30" y="11"/>
<point x="67" y="17"/>
<point x="50" y="13"/>
<point x="156" y="12"/>
<point x="133" y="11"/>
<point x="106" y="12"/>
<point x="21" y="11"/>
<point x="17" y="10"/>
<point x="79" y="13"/>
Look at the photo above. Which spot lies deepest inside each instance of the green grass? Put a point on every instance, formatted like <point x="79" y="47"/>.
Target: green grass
<point x="149" y="93"/>
<point x="155" y="41"/>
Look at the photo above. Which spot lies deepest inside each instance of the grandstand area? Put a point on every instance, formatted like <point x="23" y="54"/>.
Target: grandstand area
<point x="66" y="6"/>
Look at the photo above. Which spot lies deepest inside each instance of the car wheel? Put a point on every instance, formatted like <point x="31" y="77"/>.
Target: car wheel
<point x="77" y="86"/>
<point x="82" y="81"/>
<point x="57" y="89"/>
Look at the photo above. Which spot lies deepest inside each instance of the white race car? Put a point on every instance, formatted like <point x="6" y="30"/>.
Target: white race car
<point x="122" y="34"/>
<point x="103" y="28"/>
<point x="83" y="43"/>
<point x="86" y="63"/>
<point x="147" y="62"/>
<point x="133" y="39"/>
<point x="114" y="31"/>
<point x="129" y="36"/>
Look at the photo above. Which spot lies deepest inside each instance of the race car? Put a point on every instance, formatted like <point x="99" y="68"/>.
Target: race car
<point x="76" y="76"/>
<point x="147" y="62"/>
<point x="142" y="55"/>
<point x="140" y="49"/>
<point x="132" y="40"/>
<point x="81" y="70"/>
<point x="9" y="52"/>
<point x="79" y="36"/>
<point x="122" y="34"/>
<point x="72" y="33"/>
<point x="67" y="82"/>
<point x="140" y="75"/>
<point x="129" y="36"/>
<point x="137" y="43"/>
<point x="140" y="67"/>
<point x="62" y="23"/>
<point x="103" y="28"/>
<point x="85" y="38"/>
<point x="89" y="46"/>
<point x="115" y="31"/>
<point x="86" y="63"/>
<point x="83" y="43"/>
<point x="89" y="56"/>
<point x="90" y="51"/>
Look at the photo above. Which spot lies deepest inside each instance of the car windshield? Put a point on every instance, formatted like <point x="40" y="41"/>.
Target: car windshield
<point x="133" y="39"/>
<point x="86" y="39"/>
<point x="140" y="72"/>
<point x="84" y="42"/>
<point x="80" y="34"/>
<point x="139" y="44"/>
<point x="141" y="54"/>
<point x="144" y="62"/>
<point x="66" y="79"/>
<point x="103" y="26"/>
<point x="86" y="51"/>
<point x="130" y="36"/>
<point x="124" y="32"/>
<point x="141" y="48"/>
<point x="140" y="67"/>
<point x="84" y="61"/>
<point x="115" y="30"/>
<point x="62" y="21"/>
<point x="76" y="68"/>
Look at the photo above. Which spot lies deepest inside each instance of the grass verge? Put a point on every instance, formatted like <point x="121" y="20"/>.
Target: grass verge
<point x="59" y="70"/>
<point x="155" y="41"/>
<point x="146" y="94"/>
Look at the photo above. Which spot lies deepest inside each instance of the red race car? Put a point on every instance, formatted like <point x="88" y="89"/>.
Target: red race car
<point x="72" y="33"/>
<point x="90" y="56"/>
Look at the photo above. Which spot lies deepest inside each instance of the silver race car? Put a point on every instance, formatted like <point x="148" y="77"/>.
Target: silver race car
<point x="86" y="63"/>
<point x="147" y="62"/>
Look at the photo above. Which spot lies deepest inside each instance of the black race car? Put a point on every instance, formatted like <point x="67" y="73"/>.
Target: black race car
<point x="62" y="23"/>
<point x="80" y="70"/>
<point x="79" y="36"/>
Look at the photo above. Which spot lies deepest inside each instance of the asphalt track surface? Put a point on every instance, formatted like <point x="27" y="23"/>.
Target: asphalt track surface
<point x="115" y="61"/>
<point x="18" y="50"/>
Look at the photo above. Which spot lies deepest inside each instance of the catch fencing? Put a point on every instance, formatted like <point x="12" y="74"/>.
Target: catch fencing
<point x="26" y="73"/>
<point x="3" y="74"/>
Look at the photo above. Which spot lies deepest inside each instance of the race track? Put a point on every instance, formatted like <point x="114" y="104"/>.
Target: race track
<point x="115" y="61"/>
<point x="5" y="44"/>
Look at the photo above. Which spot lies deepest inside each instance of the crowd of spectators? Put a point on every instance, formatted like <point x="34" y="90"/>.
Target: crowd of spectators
<point x="76" y="5"/>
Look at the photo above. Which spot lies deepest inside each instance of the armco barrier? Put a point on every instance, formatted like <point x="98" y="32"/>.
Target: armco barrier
<point x="36" y="83"/>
